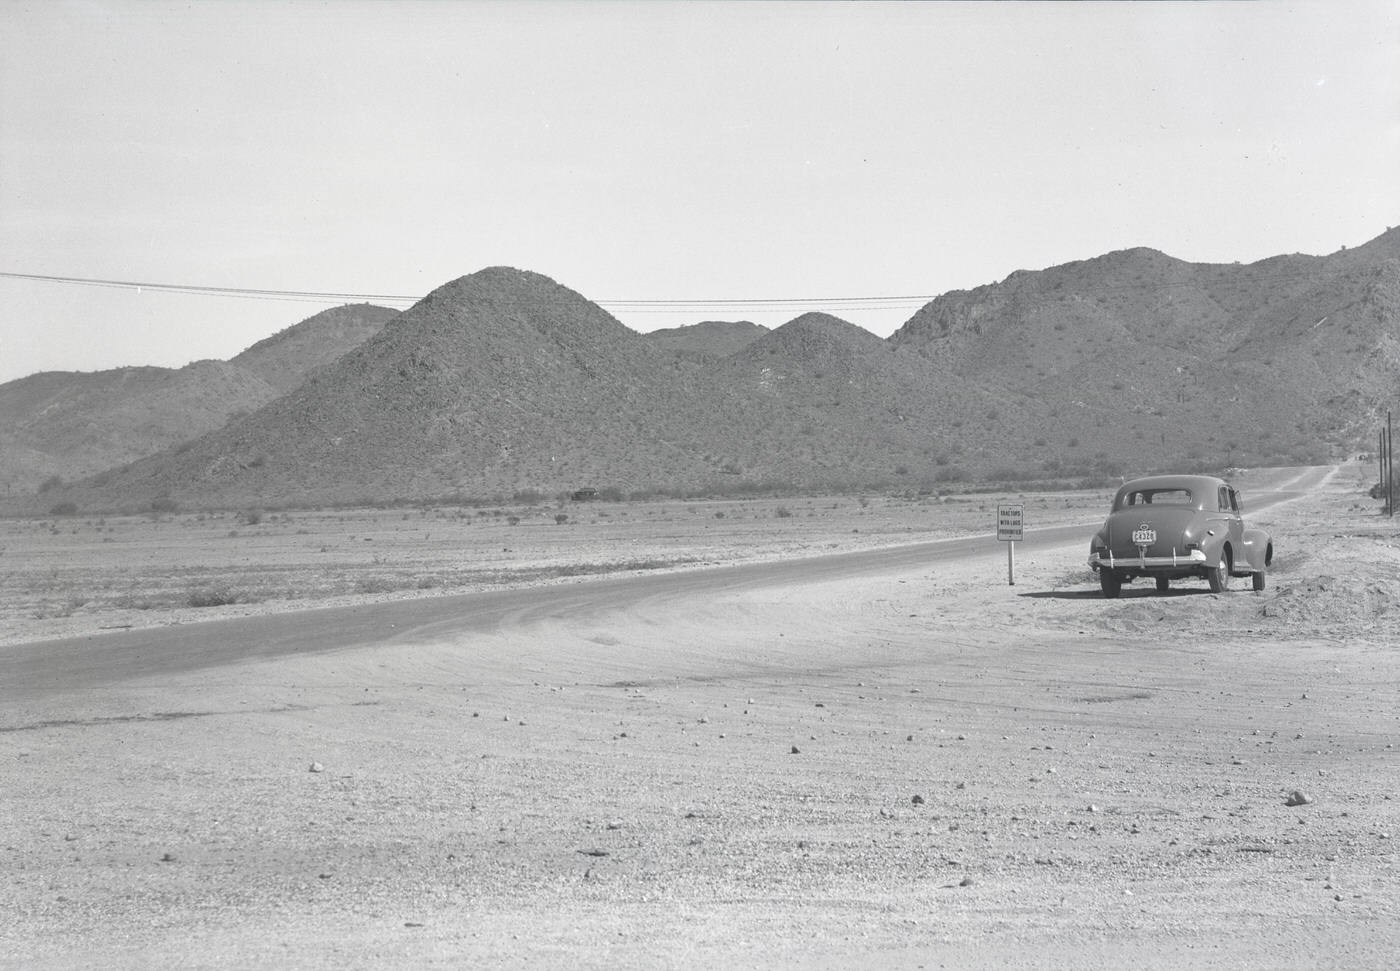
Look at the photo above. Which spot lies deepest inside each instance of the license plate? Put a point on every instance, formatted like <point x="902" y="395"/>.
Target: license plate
<point x="1142" y="536"/>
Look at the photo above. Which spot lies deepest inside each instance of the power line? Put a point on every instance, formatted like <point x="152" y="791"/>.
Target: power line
<point x="635" y="306"/>
<point x="211" y="291"/>
<point x="747" y="302"/>
<point x="670" y="306"/>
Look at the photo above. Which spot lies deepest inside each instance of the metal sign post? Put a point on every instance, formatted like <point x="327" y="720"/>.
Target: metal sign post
<point x="1010" y="522"/>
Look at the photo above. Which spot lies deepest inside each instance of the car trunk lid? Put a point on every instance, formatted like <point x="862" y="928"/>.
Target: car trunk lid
<point x="1156" y="530"/>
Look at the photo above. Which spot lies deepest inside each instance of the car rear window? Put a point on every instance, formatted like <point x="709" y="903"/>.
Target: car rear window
<point x="1156" y="497"/>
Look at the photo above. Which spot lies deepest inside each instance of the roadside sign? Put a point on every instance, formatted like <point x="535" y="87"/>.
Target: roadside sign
<point x="1009" y="523"/>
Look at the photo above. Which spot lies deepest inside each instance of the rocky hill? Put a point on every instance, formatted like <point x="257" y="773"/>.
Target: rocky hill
<point x="61" y="425"/>
<point x="504" y="382"/>
<point x="499" y="382"/>
<point x="67" y="425"/>
<point x="1136" y="359"/>
<point x="288" y="357"/>
<point x="707" y="340"/>
<point x="828" y="402"/>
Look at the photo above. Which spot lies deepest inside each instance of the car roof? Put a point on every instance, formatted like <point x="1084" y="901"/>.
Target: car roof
<point x="1193" y="483"/>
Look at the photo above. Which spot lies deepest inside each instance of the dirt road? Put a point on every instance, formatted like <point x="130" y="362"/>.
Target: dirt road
<point x="75" y="662"/>
<point x="900" y="761"/>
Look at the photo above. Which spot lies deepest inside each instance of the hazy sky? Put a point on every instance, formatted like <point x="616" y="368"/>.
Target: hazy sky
<point x="657" y="151"/>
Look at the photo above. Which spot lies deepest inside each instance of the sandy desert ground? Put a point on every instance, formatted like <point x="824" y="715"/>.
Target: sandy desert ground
<point x="916" y="766"/>
<point x="64" y="576"/>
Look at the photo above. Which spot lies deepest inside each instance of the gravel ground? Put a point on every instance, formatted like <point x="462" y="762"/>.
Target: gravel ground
<point x="920" y="768"/>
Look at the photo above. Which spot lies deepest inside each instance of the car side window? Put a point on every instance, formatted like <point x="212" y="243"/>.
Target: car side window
<point x="1224" y="499"/>
<point x="1235" y="502"/>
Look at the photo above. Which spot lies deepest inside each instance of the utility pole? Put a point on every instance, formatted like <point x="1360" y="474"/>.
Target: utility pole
<point x="1389" y="465"/>
<point x="1384" y="490"/>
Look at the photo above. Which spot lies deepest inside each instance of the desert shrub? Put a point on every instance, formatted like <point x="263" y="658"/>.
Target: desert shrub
<point x="560" y="518"/>
<point x="1010" y="473"/>
<point x="52" y="482"/>
<point x="783" y="512"/>
<point x="164" y="504"/>
<point x="212" y="596"/>
<point x="513" y="520"/>
<point x="250" y="517"/>
<point x="64" y="509"/>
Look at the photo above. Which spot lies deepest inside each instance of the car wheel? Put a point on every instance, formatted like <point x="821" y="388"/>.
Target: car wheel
<point x="1111" y="583"/>
<point x="1258" y="580"/>
<point x="1220" y="577"/>
<point x="1163" y="584"/>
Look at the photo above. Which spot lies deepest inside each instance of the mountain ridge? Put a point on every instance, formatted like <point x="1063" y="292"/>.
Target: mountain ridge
<point x="504" y="381"/>
<point x="63" y="425"/>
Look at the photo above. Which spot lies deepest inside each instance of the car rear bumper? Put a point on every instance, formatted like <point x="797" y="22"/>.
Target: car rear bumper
<point x="1177" y="561"/>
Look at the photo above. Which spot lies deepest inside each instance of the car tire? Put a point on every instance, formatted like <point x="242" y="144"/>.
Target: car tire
<point x="1219" y="577"/>
<point x="1163" y="584"/>
<point x="1111" y="583"/>
<point x="1258" y="580"/>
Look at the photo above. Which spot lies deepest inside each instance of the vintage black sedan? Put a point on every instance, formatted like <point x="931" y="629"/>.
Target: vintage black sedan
<point x="1169" y="527"/>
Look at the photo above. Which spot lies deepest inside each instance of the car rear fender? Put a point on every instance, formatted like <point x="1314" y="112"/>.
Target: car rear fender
<point x="1258" y="550"/>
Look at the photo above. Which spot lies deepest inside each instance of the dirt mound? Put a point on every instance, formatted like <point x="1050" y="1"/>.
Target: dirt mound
<point x="1325" y="603"/>
<point x="1353" y="608"/>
